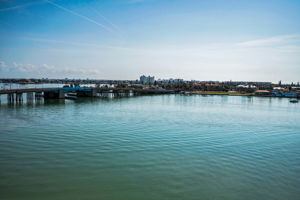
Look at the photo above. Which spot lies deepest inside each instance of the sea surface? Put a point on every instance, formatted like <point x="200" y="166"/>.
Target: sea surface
<point x="151" y="148"/>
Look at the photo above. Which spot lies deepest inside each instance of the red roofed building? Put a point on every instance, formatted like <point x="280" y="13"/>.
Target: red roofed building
<point x="262" y="92"/>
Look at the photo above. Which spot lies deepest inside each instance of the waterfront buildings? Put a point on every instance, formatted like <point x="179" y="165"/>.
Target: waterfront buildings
<point x="171" y="80"/>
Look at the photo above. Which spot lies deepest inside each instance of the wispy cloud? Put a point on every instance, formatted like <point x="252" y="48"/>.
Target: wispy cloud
<point x="135" y="1"/>
<point x="81" y="16"/>
<point x="3" y="66"/>
<point x="24" y="67"/>
<point x="20" y="6"/>
<point x="64" y="42"/>
<point x="91" y="47"/>
<point x="46" y="70"/>
<point x="271" y="41"/>
<point x="115" y="27"/>
<point x="106" y="19"/>
<point x="83" y="72"/>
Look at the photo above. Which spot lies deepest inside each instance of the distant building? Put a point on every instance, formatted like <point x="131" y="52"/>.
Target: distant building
<point x="147" y="80"/>
<point x="257" y="84"/>
<point x="177" y="80"/>
<point x="262" y="92"/>
<point x="247" y="86"/>
<point x="171" y="80"/>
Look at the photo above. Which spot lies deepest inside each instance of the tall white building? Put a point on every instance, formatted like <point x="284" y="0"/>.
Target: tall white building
<point x="147" y="79"/>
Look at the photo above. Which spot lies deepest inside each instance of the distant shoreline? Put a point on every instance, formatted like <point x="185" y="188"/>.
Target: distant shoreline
<point x="233" y="94"/>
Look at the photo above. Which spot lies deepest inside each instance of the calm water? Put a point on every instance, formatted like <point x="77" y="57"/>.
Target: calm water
<point x="151" y="147"/>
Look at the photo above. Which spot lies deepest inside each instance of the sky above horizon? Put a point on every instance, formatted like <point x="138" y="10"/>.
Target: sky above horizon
<point x="257" y="40"/>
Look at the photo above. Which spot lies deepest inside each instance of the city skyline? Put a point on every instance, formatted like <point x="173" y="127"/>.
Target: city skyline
<point x="207" y="40"/>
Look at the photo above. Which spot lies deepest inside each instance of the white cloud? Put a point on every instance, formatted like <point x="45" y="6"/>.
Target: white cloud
<point x="81" y="16"/>
<point x="24" y="67"/>
<point x="272" y="41"/>
<point x="71" y="71"/>
<point x="3" y="66"/>
<point x="20" y="6"/>
<point x="46" y="70"/>
<point x="70" y="43"/>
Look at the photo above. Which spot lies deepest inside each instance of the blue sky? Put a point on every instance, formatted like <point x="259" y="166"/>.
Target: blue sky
<point x="122" y="39"/>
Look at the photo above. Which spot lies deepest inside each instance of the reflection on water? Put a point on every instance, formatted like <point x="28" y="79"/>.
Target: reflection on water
<point x="151" y="147"/>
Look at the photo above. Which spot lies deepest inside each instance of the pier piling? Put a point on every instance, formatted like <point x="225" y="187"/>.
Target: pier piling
<point x="10" y="98"/>
<point x="29" y="97"/>
<point x="19" y="97"/>
<point x="38" y="96"/>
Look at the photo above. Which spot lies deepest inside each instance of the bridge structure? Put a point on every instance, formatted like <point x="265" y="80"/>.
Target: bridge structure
<point x="16" y="95"/>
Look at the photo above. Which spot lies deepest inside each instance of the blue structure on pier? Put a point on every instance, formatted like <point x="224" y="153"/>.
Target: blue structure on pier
<point x="278" y="93"/>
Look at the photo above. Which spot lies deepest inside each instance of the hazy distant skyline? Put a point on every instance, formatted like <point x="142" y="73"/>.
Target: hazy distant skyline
<point x="255" y="40"/>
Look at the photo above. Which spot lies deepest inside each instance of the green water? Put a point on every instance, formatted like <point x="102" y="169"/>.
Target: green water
<point x="151" y="148"/>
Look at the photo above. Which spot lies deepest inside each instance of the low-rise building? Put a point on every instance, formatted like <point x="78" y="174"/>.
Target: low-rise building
<point x="262" y="92"/>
